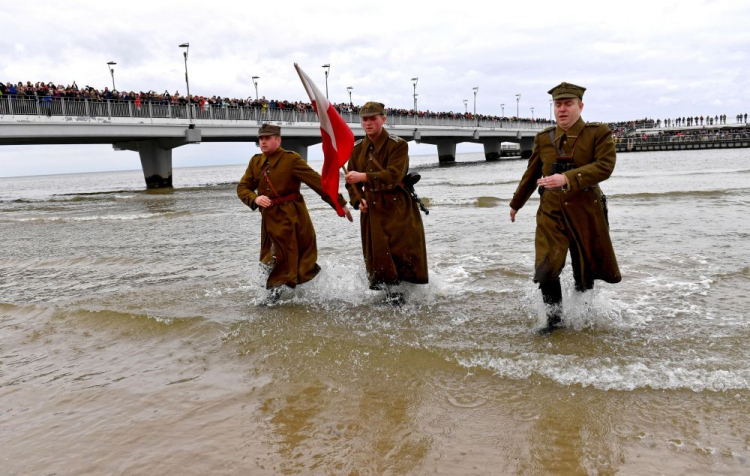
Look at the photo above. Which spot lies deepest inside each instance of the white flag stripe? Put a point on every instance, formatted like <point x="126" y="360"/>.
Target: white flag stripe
<point x="321" y="102"/>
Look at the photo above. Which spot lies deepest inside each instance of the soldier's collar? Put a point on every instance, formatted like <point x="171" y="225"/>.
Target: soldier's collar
<point x="572" y="132"/>
<point x="275" y="154"/>
<point x="382" y="138"/>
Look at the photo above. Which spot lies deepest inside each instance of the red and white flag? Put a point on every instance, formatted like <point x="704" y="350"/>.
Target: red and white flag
<point x="338" y="139"/>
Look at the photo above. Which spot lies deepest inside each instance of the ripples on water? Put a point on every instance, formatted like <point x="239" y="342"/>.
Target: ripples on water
<point x="134" y="317"/>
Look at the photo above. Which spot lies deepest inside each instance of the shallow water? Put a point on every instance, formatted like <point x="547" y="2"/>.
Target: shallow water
<point x="131" y="339"/>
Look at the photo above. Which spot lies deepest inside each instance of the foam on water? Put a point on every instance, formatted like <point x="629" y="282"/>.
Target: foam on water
<point x="604" y="375"/>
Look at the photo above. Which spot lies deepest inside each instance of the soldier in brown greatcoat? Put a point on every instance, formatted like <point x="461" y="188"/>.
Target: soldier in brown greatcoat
<point x="567" y="164"/>
<point x="393" y="240"/>
<point x="287" y="243"/>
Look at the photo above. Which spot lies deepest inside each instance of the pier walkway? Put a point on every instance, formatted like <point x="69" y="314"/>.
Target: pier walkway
<point x="154" y="129"/>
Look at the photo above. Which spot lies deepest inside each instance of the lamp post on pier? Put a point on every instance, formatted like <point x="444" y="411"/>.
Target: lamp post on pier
<point x="518" y="102"/>
<point x="327" y="67"/>
<point x="476" y="90"/>
<point x="532" y="114"/>
<point x="255" y="82"/>
<point x="466" y="106"/>
<point x="112" y="72"/>
<point x="414" y="82"/>
<point x="187" y="81"/>
<point x="349" y="90"/>
<point x="502" y="110"/>
<point x="550" y="110"/>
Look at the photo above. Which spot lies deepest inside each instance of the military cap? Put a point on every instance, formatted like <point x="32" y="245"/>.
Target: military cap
<point x="567" y="90"/>
<point x="269" y="130"/>
<point x="372" y="108"/>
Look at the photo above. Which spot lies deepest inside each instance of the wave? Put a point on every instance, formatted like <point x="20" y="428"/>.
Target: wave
<point x="569" y="371"/>
<point x="140" y="216"/>
<point x="480" y="202"/>
<point x="471" y="184"/>
<point x="679" y="194"/>
<point x="683" y="173"/>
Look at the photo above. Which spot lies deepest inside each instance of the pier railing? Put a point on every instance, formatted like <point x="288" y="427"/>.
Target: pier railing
<point x="74" y="108"/>
<point x="713" y="136"/>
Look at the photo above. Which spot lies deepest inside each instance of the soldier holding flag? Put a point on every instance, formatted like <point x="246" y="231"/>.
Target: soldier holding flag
<point x="393" y="240"/>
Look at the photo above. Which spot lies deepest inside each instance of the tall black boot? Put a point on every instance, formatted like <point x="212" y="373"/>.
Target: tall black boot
<point x="552" y="296"/>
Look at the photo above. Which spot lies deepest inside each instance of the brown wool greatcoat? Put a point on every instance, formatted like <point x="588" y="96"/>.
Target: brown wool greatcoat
<point x="572" y="218"/>
<point x="393" y="240"/>
<point x="287" y="242"/>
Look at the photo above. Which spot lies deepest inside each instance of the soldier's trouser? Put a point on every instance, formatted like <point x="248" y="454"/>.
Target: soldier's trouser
<point x="554" y="239"/>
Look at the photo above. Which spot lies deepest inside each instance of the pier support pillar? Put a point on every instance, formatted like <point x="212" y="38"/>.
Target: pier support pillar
<point x="156" y="156"/>
<point x="295" y="146"/>
<point x="156" y="163"/>
<point x="527" y="147"/>
<point x="446" y="151"/>
<point x="492" y="150"/>
<point x="299" y="145"/>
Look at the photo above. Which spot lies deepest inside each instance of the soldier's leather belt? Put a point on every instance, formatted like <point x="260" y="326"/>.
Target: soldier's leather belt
<point x="287" y="198"/>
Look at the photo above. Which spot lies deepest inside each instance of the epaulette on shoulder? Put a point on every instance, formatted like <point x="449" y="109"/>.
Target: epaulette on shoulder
<point x="545" y="131"/>
<point x="256" y="155"/>
<point x="593" y="124"/>
<point x="358" y="142"/>
<point x="395" y="138"/>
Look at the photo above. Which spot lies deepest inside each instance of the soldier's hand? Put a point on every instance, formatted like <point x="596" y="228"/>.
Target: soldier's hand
<point x="263" y="201"/>
<point x="552" y="181"/>
<point x="513" y="215"/>
<point x="355" y="177"/>
<point x="348" y="214"/>
<point x="363" y="206"/>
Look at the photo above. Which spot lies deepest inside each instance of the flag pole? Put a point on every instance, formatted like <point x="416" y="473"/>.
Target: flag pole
<point x="354" y="186"/>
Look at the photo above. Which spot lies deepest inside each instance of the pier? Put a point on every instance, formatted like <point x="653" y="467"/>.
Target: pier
<point x="685" y="138"/>
<point x="154" y="129"/>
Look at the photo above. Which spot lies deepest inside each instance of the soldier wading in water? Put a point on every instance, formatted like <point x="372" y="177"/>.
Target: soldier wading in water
<point x="393" y="240"/>
<point x="287" y="244"/>
<point x="567" y="164"/>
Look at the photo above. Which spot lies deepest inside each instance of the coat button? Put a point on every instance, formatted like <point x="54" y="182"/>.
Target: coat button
<point x="566" y="203"/>
<point x="579" y="174"/>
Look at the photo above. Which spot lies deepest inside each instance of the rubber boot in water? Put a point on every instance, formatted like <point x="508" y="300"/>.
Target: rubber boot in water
<point x="552" y="296"/>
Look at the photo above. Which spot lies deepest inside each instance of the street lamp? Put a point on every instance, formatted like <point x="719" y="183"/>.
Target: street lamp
<point x="518" y="101"/>
<point x="349" y="90"/>
<point x="476" y="90"/>
<point x="532" y="114"/>
<point x="550" y="110"/>
<point x="187" y="82"/>
<point x="466" y="106"/>
<point x="502" y="108"/>
<point x="327" y="67"/>
<point x="414" y="81"/>
<point x="112" y="72"/>
<point x="255" y="82"/>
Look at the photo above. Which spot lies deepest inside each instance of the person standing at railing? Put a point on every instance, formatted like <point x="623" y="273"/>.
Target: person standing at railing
<point x="271" y="184"/>
<point x="566" y="166"/>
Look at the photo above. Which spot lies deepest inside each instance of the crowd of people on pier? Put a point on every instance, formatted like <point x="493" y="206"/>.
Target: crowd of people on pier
<point x="42" y="91"/>
<point x="695" y="121"/>
<point x="45" y="92"/>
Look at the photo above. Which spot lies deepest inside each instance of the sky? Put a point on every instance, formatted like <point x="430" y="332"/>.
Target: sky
<point x="637" y="59"/>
